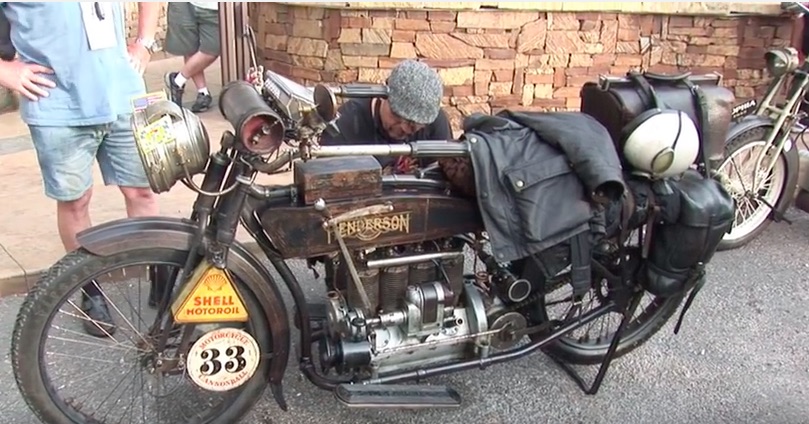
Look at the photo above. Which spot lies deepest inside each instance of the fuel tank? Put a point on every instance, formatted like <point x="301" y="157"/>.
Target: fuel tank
<point x="423" y="209"/>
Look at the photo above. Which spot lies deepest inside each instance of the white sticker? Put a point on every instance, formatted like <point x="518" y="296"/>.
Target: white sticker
<point x="223" y="359"/>
<point x="99" y="24"/>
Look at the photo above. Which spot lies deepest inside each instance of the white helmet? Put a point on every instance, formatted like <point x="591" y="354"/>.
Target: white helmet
<point x="661" y="143"/>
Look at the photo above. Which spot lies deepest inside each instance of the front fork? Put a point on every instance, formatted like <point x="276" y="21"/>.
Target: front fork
<point x="789" y="111"/>
<point x="222" y="225"/>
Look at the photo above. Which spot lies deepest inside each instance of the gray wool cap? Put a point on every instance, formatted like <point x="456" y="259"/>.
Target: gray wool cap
<point x="415" y="91"/>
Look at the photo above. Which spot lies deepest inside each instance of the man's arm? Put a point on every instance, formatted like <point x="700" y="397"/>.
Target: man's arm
<point x="23" y="78"/>
<point x="140" y="52"/>
<point x="148" y="18"/>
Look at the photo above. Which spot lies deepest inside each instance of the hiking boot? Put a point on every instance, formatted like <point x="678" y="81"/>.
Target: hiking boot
<point x="95" y="306"/>
<point x="159" y="276"/>
<point x="175" y="91"/>
<point x="155" y="293"/>
<point x="202" y="103"/>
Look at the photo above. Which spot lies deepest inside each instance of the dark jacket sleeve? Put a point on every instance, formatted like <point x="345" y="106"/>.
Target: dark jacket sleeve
<point x="7" y="50"/>
<point x="440" y="129"/>
<point x="585" y="142"/>
<point x="347" y="124"/>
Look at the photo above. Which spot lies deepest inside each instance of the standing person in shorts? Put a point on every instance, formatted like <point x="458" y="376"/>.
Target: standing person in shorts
<point x="77" y="74"/>
<point x="193" y="33"/>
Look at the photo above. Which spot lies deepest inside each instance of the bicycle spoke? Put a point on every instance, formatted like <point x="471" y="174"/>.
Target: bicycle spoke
<point x="117" y="385"/>
<point x="123" y="378"/>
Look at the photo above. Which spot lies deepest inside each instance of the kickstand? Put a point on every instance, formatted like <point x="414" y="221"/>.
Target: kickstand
<point x="778" y="215"/>
<point x="605" y="364"/>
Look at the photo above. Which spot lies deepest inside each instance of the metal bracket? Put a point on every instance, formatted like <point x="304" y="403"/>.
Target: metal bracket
<point x="333" y="223"/>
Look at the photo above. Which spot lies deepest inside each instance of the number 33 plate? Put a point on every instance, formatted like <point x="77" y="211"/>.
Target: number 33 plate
<point x="223" y="359"/>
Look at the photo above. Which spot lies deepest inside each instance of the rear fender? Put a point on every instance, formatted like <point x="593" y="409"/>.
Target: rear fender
<point x="174" y="233"/>
<point x="790" y="152"/>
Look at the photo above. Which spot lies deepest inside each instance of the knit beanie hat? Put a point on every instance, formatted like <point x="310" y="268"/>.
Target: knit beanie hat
<point x="415" y="91"/>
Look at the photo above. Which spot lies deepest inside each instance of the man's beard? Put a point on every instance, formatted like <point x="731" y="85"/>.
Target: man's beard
<point x="395" y="137"/>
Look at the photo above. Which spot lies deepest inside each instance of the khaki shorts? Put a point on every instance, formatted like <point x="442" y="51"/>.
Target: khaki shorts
<point x="191" y="29"/>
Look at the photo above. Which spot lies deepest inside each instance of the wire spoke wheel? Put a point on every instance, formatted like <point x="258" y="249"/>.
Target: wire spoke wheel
<point x="753" y="204"/>
<point x="589" y="344"/>
<point x="123" y="374"/>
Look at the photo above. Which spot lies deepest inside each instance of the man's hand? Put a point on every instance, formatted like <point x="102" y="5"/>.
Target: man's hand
<point x="139" y="56"/>
<point x="148" y="17"/>
<point x="25" y="78"/>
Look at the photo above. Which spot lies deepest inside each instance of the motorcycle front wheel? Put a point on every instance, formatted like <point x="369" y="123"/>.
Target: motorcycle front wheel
<point x="753" y="208"/>
<point x="118" y="377"/>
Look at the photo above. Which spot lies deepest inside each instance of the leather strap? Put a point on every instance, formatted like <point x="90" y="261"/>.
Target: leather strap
<point x="580" y="257"/>
<point x="647" y="89"/>
<point x="701" y="104"/>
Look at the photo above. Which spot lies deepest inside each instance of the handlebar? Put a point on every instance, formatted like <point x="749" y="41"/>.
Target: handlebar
<point x="416" y="149"/>
<point x="360" y="91"/>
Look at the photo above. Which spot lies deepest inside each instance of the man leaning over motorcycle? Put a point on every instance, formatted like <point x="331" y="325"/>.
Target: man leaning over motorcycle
<point x="412" y="111"/>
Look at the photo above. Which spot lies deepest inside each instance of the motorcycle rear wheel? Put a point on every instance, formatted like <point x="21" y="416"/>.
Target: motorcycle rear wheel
<point x="648" y="320"/>
<point x="56" y="287"/>
<point x="748" y="229"/>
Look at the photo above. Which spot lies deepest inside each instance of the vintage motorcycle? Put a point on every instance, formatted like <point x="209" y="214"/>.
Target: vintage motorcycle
<point x="762" y="164"/>
<point x="416" y="279"/>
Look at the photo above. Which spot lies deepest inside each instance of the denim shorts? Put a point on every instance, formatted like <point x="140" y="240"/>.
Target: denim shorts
<point x="66" y="156"/>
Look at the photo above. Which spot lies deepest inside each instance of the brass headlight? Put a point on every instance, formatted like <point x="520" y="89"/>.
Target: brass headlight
<point x="172" y="143"/>
<point x="782" y="60"/>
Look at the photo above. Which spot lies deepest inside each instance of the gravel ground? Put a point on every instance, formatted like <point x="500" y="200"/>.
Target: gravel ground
<point x="740" y="358"/>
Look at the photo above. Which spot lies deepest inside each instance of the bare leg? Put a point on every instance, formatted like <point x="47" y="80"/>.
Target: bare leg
<point x="72" y="218"/>
<point x="185" y="60"/>
<point x="181" y="76"/>
<point x="195" y="66"/>
<point x="140" y="202"/>
<point x="200" y="82"/>
<point x="198" y="78"/>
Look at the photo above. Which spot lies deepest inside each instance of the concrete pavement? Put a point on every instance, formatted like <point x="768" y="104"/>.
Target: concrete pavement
<point x="29" y="242"/>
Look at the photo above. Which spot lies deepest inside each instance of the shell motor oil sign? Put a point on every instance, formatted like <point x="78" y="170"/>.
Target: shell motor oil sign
<point x="210" y="297"/>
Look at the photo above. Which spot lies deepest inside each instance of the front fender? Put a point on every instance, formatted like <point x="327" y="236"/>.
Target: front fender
<point x="174" y="233"/>
<point x="752" y="122"/>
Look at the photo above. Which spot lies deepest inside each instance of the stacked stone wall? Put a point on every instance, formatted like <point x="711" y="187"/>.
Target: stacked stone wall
<point x="517" y="59"/>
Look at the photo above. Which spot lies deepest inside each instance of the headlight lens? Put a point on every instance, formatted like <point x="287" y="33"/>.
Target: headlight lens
<point x="172" y="143"/>
<point x="781" y="61"/>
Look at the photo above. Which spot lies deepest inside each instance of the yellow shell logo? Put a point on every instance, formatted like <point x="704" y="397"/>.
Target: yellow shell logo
<point x="215" y="282"/>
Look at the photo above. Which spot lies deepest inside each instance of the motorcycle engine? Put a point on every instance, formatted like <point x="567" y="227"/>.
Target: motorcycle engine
<point x="424" y="310"/>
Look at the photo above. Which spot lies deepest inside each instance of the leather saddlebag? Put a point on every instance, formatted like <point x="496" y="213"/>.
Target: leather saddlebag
<point x="616" y="101"/>
<point x="699" y="212"/>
